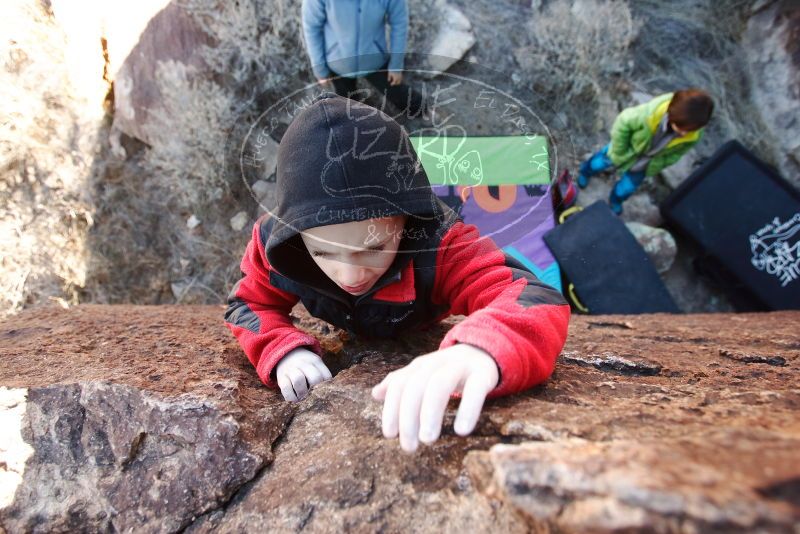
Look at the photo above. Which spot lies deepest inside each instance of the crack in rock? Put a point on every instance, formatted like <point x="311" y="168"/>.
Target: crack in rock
<point x="135" y="446"/>
<point x="611" y="362"/>
<point x="625" y="325"/>
<point x="778" y="361"/>
<point x="211" y="518"/>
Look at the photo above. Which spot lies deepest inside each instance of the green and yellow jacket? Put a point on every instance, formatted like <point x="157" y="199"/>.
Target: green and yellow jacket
<point x="633" y="131"/>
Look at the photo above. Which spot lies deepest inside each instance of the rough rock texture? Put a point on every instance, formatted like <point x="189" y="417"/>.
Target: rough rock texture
<point x="150" y="419"/>
<point x="131" y="418"/>
<point x="50" y="113"/>
<point x="166" y="461"/>
<point x="772" y="42"/>
<point x="453" y="39"/>
<point x="711" y="482"/>
<point x="674" y="175"/>
<point x="239" y="221"/>
<point x="657" y="242"/>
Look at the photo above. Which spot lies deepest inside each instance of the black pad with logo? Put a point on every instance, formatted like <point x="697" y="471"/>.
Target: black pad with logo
<point x="746" y="218"/>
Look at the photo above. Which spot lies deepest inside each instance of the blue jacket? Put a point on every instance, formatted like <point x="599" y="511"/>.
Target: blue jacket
<point x="348" y="37"/>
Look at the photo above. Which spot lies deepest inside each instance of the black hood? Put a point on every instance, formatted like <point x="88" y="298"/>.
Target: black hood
<point x="341" y="161"/>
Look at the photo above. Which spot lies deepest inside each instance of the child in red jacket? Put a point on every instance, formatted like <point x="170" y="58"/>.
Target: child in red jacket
<point x="360" y="238"/>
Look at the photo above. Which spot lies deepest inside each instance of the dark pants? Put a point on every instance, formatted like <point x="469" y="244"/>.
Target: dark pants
<point x="404" y="98"/>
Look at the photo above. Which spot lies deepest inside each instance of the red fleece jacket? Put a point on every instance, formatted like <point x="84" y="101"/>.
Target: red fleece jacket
<point x="511" y="315"/>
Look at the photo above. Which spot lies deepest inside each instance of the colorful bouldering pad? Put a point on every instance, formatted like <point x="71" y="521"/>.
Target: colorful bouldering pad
<point x="501" y="184"/>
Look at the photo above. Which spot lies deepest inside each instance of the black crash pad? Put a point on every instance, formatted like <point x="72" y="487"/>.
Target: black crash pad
<point x="611" y="272"/>
<point x="746" y="218"/>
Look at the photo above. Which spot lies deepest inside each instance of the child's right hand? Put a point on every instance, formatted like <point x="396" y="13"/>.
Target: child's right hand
<point x="298" y="371"/>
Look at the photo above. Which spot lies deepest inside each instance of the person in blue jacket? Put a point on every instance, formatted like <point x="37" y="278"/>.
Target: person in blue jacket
<point x="346" y="40"/>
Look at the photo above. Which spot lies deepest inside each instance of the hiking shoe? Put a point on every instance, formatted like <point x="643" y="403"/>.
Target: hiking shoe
<point x="583" y="181"/>
<point x="615" y="203"/>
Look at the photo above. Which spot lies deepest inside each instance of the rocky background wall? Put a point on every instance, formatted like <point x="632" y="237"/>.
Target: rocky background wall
<point x="114" y="184"/>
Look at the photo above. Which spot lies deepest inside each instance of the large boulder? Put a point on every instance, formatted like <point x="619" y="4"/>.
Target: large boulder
<point x="171" y="36"/>
<point x="151" y="419"/>
<point x="452" y="40"/>
<point x="772" y="44"/>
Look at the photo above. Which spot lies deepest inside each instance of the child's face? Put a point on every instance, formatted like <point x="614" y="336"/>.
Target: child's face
<point x="355" y="254"/>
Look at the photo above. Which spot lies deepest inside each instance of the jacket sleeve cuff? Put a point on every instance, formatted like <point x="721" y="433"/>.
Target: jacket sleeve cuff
<point x="396" y="62"/>
<point x="321" y="71"/>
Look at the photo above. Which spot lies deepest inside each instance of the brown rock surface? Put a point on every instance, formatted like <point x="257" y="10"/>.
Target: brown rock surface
<point x="151" y="419"/>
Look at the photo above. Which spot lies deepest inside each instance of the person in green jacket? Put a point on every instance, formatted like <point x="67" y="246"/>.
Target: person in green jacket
<point x="647" y="138"/>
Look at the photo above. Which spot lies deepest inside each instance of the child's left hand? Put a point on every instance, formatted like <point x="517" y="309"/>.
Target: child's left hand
<point x="415" y="396"/>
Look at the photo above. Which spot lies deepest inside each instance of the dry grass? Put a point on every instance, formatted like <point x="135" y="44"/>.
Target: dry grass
<point x="186" y="170"/>
<point x="577" y="49"/>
